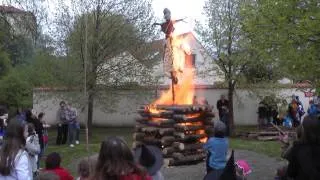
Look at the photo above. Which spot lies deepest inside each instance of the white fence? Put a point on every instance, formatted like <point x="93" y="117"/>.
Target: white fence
<point x="123" y="112"/>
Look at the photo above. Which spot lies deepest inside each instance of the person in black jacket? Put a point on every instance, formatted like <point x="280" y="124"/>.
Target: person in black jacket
<point x="304" y="156"/>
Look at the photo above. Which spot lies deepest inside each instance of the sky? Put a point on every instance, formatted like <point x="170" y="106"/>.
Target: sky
<point x="189" y="9"/>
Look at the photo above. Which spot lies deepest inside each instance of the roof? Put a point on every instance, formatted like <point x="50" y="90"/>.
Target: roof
<point x="11" y="9"/>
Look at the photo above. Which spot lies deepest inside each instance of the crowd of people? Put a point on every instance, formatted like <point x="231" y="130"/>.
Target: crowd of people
<point x="284" y="113"/>
<point x="24" y="143"/>
<point x="68" y="125"/>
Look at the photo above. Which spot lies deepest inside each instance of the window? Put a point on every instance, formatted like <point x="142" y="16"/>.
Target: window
<point x="190" y="60"/>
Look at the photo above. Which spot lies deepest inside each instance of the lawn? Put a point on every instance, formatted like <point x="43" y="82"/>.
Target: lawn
<point x="71" y="155"/>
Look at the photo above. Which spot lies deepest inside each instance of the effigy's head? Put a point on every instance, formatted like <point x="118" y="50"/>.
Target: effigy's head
<point x="167" y="14"/>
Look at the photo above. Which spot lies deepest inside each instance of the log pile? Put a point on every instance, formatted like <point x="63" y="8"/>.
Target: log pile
<point x="179" y="130"/>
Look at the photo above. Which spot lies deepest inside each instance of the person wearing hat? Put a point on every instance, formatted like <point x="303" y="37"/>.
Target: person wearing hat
<point x="217" y="147"/>
<point x="151" y="158"/>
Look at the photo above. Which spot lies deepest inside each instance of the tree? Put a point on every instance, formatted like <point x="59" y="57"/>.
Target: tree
<point x="288" y="33"/>
<point x="99" y="40"/>
<point x="223" y="38"/>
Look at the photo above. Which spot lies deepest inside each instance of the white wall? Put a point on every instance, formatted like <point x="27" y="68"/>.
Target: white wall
<point x="124" y="113"/>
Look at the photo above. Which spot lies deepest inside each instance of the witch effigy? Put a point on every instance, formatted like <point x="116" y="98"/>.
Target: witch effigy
<point x="167" y="28"/>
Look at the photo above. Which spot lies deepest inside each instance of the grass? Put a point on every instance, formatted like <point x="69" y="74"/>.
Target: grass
<point x="70" y="156"/>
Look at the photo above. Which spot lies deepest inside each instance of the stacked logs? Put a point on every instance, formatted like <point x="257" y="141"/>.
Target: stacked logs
<point x="179" y="130"/>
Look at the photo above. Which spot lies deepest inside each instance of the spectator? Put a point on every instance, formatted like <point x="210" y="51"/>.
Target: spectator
<point x="313" y="109"/>
<point x="217" y="148"/>
<point x="293" y="111"/>
<point x="14" y="160"/>
<point x="44" y="132"/>
<point x="71" y="116"/>
<point x="222" y="105"/>
<point x="84" y="169"/>
<point x="47" y="176"/>
<point x="304" y="157"/>
<point x="21" y="116"/>
<point x="53" y="161"/>
<point x="33" y="147"/>
<point x="115" y="161"/>
<point x="62" y="124"/>
<point x="151" y="158"/>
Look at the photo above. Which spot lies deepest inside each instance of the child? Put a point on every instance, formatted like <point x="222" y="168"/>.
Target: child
<point x="44" y="131"/>
<point x="33" y="147"/>
<point x="85" y="169"/>
<point x="217" y="147"/>
<point x="53" y="161"/>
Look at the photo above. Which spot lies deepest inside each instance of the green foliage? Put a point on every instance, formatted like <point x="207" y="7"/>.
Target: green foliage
<point x="15" y="91"/>
<point x="287" y="33"/>
<point x="5" y="64"/>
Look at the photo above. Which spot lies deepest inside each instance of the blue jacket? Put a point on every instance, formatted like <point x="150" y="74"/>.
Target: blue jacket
<point x="218" y="149"/>
<point x="313" y="110"/>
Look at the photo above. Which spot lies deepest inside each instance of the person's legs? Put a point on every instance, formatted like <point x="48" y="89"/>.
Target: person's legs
<point x="72" y="133"/>
<point x="59" y="135"/>
<point x="77" y="135"/>
<point x="64" y="133"/>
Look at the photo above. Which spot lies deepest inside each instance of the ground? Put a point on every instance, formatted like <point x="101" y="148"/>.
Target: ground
<point x="264" y="157"/>
<point x="263" y="167"/>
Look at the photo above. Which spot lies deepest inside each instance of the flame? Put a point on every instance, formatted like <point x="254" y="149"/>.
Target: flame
<point x="193" y="115"/>
<point x="201" y="131"/>
<point x="191" y="124"/>
<point x="203" y="140"/>
<point x="184" y="90"/>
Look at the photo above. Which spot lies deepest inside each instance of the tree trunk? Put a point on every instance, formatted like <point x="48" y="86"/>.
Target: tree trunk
<point x="90" y="112"/>
<point x="231" y="113"/>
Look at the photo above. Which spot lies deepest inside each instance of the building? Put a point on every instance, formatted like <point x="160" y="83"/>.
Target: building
<point x="20" y="22"/>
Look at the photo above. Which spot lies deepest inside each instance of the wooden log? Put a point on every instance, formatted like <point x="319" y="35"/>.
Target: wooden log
<point x="185" y="147"/>
<point x="177" y="155"/>
<point x="167" y="140"/>
<point x="168" y="150"/>
<point x="188" y="138"/>
<point x="150" y="130"/>
<point x="268" y="138"/>
<point x="156" y="122"/>
<point x="166" y="131"/>
<point x="138" y="136"/>
<point x="191" y="159"/>
<point x="180" y="127"/>
<point x="138" y="127"/>
<point x="210" y="114"/>
<point x="152" y="141"/>
<point x="166" y="162"/>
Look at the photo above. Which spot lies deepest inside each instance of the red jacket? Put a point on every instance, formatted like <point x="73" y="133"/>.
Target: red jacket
<point x="61" y="172"/>
<point x="135" y="177"/>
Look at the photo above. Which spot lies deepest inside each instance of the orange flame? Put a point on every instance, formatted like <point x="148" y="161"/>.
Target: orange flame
<point x="184" y="90"/>
<point x="203" y="140"/>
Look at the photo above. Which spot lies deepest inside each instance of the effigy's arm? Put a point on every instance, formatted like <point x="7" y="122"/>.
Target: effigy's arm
<point x="178" y="20"/>
<point x="154" y="24"/>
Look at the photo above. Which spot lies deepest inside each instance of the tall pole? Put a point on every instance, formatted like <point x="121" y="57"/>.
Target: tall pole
<point x="85" y="73"/>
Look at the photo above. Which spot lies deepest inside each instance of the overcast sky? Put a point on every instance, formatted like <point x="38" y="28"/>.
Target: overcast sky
<point x="192" y="9"/>
<point x="189" y="9"/>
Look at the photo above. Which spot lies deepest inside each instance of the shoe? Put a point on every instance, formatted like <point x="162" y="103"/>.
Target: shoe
<point x="71" y="145"/>
<point x="77" y="142"/>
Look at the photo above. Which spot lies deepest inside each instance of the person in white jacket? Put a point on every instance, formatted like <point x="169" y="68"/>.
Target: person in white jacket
<point x="33" y="147"/>
<point x="14" y="159"/>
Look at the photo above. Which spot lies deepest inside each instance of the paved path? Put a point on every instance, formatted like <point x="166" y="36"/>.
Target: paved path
<point x="263" y="168"/>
